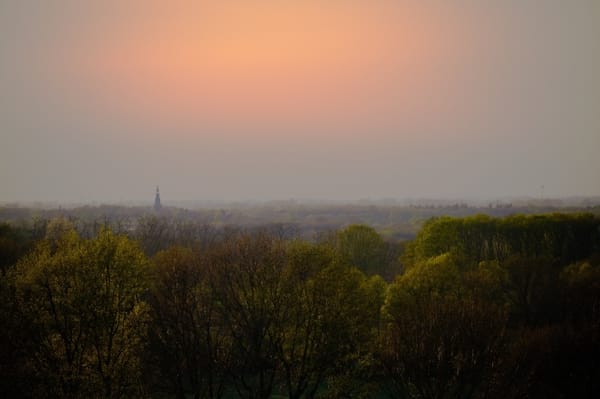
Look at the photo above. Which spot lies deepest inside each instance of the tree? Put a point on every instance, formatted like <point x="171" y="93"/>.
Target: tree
<point x="568" y="237"/>
<point x="362" y="247"/>
<point x="246" y="279"/>
<point x="189" y="344"/>
<point x="14" y="243"/>
<point x="84" y="298"/>
<point x="440" y="340"/>
<point x="534" y="289"/>
<point x="331" y="314"/>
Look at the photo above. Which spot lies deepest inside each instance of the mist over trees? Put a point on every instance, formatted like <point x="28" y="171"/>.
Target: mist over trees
<point x="472" y="307"/>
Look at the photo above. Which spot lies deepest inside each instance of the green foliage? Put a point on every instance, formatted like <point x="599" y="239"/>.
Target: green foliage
<point x="436" y="276"/>
<point x="528" y="284"/>
<point x="260" y="316"/>
<point x="188" y="349"/>
<point x="441" y="339"/>
<point x="489" y="281"/>
<point x="362" y="247"/>
<point x="247" y="280"/>
<point x="581" y="285"/>
<point x="325" y="331"/>
<point x="486" y="308"/>
<point x="14" y="243"/>
<point x="84" y="299"/>
<point x="568" y="237"/>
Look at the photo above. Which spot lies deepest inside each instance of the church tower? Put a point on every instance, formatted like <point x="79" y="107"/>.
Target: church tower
<point x="157" y="204"/>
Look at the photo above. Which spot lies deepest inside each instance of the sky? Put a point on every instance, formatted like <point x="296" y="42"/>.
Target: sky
<point x="101" y="101"/>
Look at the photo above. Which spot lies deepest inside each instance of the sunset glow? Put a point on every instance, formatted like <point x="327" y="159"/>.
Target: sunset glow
<point x="309" y="98"/>
<point x="271" y="62"/>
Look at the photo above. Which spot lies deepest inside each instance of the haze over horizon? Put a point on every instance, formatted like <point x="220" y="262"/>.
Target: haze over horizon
<point x="262" y="99"/>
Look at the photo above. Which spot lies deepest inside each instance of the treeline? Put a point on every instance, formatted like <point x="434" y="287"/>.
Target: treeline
<point x="393" y="221"/>
<point x="478" y="308"/>
<point x="564" y="237"/>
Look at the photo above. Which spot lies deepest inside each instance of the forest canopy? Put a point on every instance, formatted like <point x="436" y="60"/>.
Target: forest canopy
<point x="472" y="307"/>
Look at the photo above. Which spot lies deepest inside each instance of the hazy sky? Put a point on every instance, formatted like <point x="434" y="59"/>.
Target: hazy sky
<point x="273" y="99"/>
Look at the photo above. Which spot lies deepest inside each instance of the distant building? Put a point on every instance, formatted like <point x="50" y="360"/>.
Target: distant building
<point x="157" y="205"/>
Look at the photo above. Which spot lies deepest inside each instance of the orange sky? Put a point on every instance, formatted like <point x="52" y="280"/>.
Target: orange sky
<point x="298" y="98"/>
<point x="269" y="62"/>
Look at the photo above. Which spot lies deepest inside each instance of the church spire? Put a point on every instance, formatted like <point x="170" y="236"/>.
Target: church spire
<point x="157" y="204"/>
